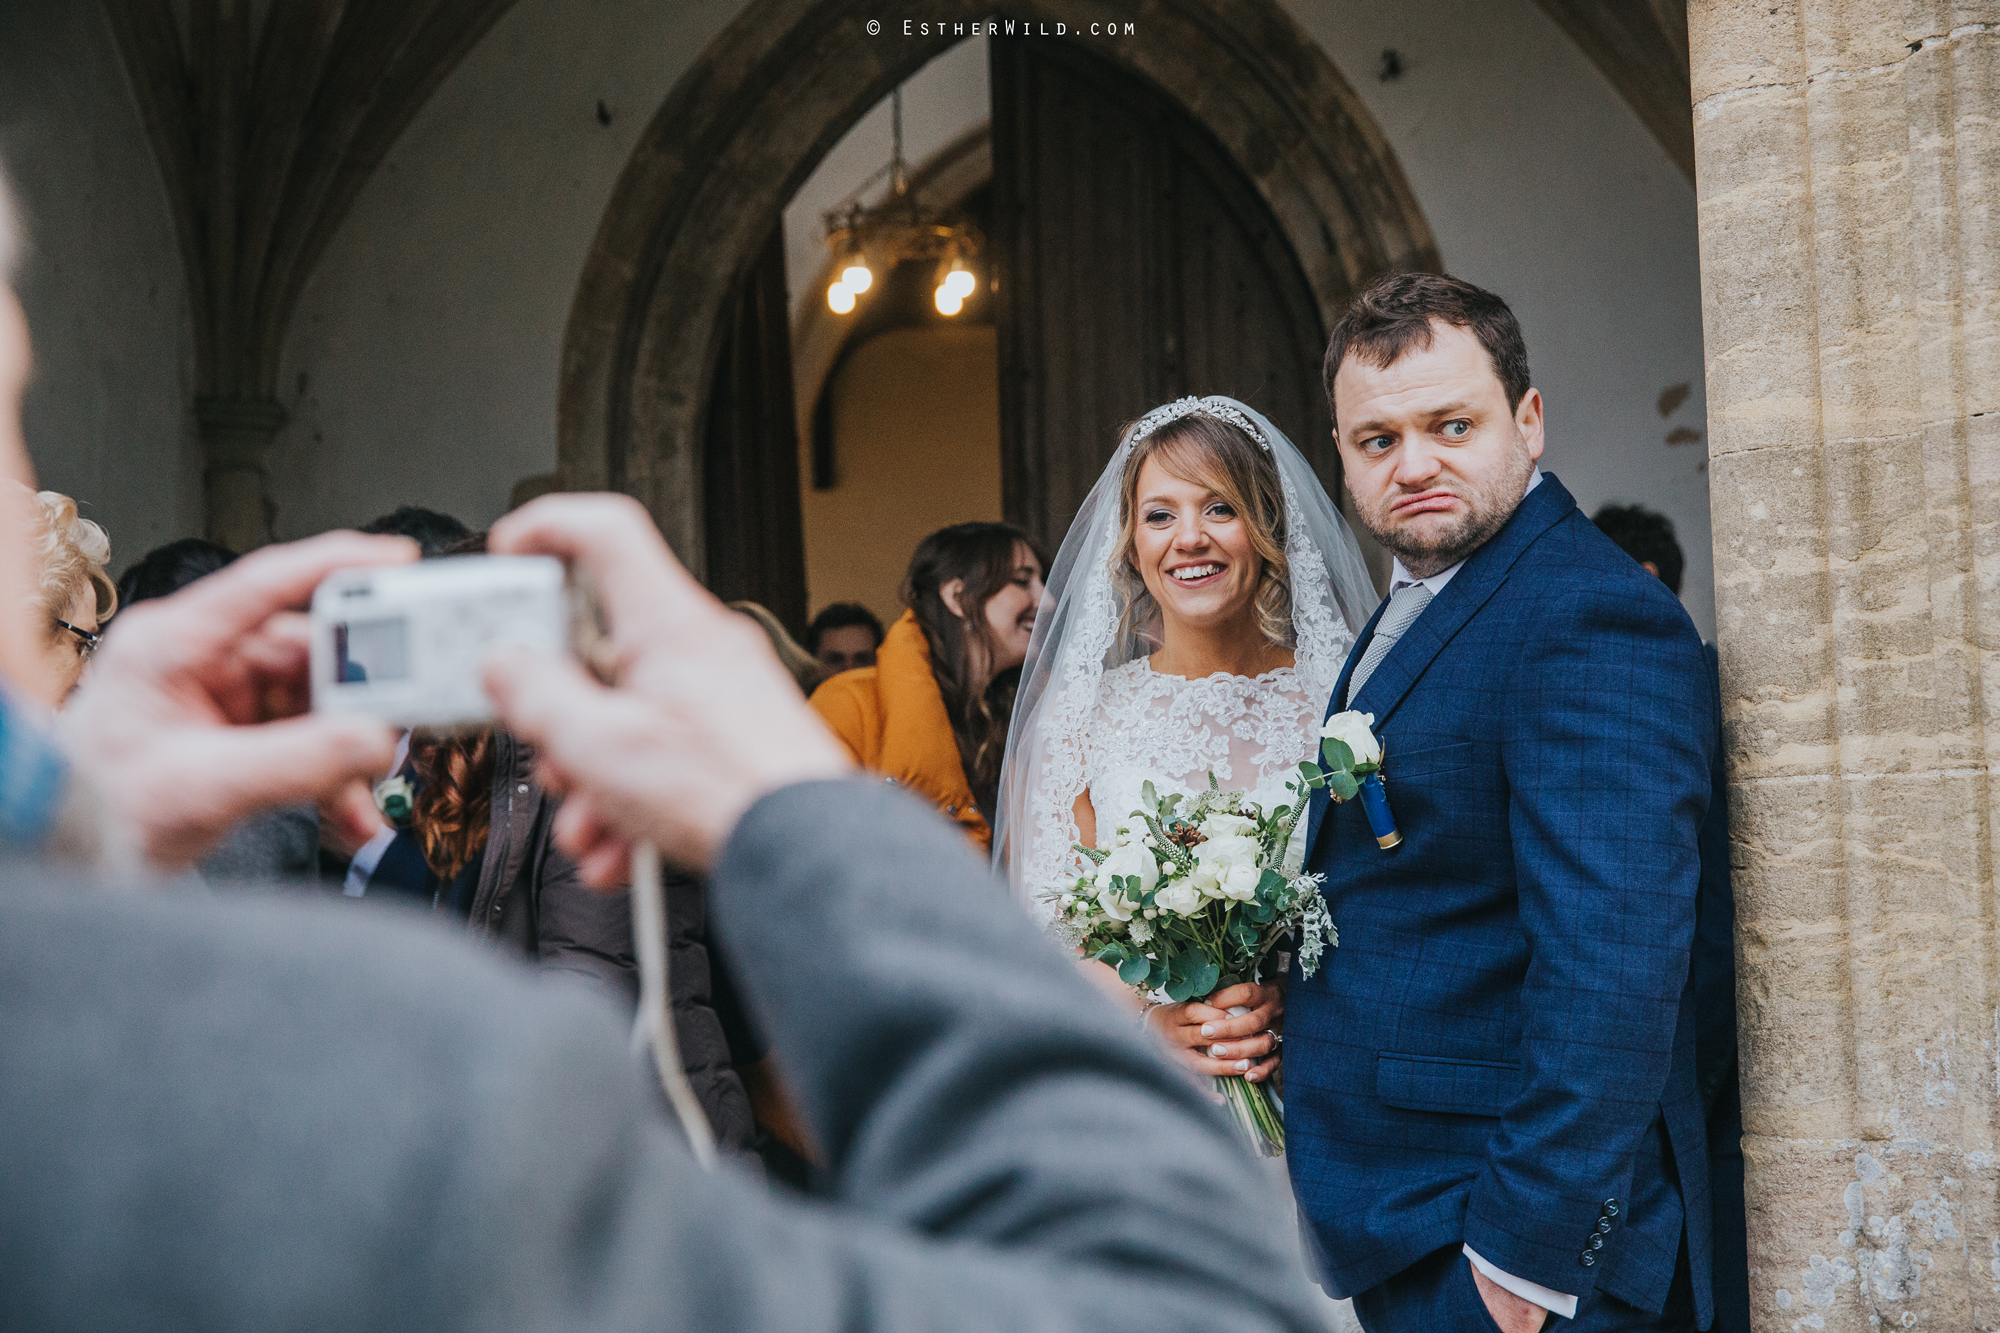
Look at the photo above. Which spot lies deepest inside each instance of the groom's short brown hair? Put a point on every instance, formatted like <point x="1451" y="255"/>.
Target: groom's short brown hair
<point x="1392" y="317"/>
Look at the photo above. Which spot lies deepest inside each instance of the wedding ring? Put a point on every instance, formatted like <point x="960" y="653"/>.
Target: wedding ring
<point x="1277" y="1038"/>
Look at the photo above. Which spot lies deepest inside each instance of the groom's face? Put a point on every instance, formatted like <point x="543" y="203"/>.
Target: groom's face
<point x="1435" y="458"/>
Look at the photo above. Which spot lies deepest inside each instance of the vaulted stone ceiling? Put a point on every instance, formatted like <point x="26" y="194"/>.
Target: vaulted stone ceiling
<point x="1642" y="47"/>
<point x="267" y="119"/>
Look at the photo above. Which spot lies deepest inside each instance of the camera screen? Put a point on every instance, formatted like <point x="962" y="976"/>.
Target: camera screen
<point x="371" y="650"/>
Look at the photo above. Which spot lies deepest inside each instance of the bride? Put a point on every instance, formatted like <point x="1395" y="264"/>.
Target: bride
<point x="1204" y="601"/>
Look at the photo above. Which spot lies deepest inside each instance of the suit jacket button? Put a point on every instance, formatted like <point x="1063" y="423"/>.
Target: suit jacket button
<point x="1604" y="1224"/>
<point x="1597" y="1242"/>
<point x="1587" y="1259"/>
<point x="1611" y="1207"/>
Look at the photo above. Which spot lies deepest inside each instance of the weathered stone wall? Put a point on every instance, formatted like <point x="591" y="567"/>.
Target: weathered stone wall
<point x="1846" y="155"/>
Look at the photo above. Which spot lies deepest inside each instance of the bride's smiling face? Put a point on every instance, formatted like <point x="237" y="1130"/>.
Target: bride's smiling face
<point x="1192" y="549"/>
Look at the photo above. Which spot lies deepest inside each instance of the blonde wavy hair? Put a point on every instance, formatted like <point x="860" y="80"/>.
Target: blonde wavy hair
<point x="70" y="555"/>
<point x="1208" y="452"/>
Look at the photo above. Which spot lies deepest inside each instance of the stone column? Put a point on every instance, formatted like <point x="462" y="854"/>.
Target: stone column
<point x="1848" y="173"/>
<point x="235" y="432"/>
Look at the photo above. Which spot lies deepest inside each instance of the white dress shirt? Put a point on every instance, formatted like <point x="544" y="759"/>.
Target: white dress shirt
<point x="1559" y="1302"/>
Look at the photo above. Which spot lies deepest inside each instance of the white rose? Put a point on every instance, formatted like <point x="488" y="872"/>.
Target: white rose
<point x="1180" y="898"/>
<point x="1132" y="859"/>
<point x="1115" y="904"/>
<point x="1240" y="882"/>
<point x="1357" y="732"/>
<point x="1222" y="824"/>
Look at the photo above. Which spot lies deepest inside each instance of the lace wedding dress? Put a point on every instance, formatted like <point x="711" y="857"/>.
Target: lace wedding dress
<point x="1092" y="714"/>
<point x="1250" y="732"/>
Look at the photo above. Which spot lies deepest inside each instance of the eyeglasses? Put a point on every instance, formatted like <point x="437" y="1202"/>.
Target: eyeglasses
<point x="86" y="642"/>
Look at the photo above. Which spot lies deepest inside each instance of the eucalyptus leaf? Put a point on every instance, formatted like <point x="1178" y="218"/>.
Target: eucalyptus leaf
<point x="1338" y="757"/>
<point x="1135" y="970"/>
<point x="1205" y="980"/>
<point x="1343" y="786"/>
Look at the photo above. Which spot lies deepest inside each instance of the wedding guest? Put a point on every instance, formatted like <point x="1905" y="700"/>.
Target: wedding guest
<point x="73" y="594"/>
<point x="168" y="569"/>
<point x="1648" y="537"/>
<point x="431" y="531"/>
<point x="932" y="713"/>
<point x="844" y="636"/>
<point x="272" y="846"/>
<point x="797" y="660"/>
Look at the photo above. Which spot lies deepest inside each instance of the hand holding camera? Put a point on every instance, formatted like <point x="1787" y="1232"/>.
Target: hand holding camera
<point x="162" y="727"/>
<point x="702" y="720"/>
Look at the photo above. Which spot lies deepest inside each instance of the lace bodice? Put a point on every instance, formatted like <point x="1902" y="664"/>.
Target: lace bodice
<point x="1251" y="732"/>
<point x="1173" y="732"/>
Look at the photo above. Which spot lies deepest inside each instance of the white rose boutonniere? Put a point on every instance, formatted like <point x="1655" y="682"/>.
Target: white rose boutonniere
<point x="1357" y="732"/>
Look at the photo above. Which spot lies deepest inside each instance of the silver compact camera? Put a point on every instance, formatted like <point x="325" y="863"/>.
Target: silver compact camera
<point x="404" y="644"/>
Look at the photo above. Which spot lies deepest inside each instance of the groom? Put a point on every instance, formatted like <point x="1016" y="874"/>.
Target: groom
<point x="1489" y="1087"/>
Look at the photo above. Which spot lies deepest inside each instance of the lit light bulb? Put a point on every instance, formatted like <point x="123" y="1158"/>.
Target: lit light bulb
<point x="840" y="298"/>
<point x="960" y="283"/>
<point x="948" y="301"/>
<point x="857" y="278"/>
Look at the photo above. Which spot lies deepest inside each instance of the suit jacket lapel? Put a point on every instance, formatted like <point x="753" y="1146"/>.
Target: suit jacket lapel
<point x="1471" y="588"/>
<point x="1320" y="801"/>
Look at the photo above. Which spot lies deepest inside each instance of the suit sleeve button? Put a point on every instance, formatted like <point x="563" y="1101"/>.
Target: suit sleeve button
<point x="1604" y="1224"/>
<point x="1597" y="1242"/>
<point x="1587" y="1259"/>
<point x="1611" y="1207"/>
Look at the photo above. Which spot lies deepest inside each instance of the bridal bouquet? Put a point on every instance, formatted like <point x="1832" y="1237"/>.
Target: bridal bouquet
<point x="1194" y="896"/>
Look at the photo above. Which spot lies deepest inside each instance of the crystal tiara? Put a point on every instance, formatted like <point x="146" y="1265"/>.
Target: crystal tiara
<point x="1218" y="408"/>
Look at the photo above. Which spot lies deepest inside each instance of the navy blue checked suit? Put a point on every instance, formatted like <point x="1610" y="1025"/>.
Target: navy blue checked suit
<point x="1501" y="1051"/>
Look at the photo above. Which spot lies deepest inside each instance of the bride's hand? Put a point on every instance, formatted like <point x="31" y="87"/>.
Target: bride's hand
<point x="1209" y="1041"/>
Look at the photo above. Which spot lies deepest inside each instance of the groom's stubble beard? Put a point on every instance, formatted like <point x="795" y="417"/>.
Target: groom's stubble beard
<point x="1489" y="501"/>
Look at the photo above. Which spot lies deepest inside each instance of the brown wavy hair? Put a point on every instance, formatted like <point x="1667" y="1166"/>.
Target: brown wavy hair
<point x="982" y="555"/>
<point x="1212" y="453"/>
<point x="454" y="807"/>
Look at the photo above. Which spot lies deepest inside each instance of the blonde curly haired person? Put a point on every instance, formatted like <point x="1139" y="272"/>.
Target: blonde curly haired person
<point x="74" y="594"/>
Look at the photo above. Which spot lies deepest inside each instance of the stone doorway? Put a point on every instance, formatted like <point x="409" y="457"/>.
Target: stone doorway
<point x="743" y="129"/>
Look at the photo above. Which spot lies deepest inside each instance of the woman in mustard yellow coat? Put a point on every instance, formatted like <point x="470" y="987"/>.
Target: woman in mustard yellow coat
<point x="932" y="712"/>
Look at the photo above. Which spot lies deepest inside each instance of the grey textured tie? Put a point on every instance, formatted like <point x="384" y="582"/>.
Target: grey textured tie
<point x="1406" y="603"/>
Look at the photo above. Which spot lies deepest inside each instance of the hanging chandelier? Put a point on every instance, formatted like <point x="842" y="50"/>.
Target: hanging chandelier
<point x="896" y="231"/>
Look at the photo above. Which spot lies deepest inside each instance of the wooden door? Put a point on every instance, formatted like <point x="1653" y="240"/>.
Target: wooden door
<point x="750" y="450"/>
<point x="1135" y="263"/>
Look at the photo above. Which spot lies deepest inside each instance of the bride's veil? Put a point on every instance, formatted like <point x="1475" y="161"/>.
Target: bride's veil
<point x="1077" y="639"/>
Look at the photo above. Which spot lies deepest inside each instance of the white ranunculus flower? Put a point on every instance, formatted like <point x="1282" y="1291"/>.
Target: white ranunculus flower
<point x="1131" y="859"/>
<point x="1180" y="898"/>
<point x="1357" y="732"/>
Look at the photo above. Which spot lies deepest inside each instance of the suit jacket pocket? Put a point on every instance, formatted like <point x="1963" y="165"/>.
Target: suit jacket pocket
<point x="1455" y="1087"/>
<point x="1427" y="762"/>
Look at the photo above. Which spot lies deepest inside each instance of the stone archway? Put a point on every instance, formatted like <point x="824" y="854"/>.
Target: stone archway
<point x="778" y="88"/>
